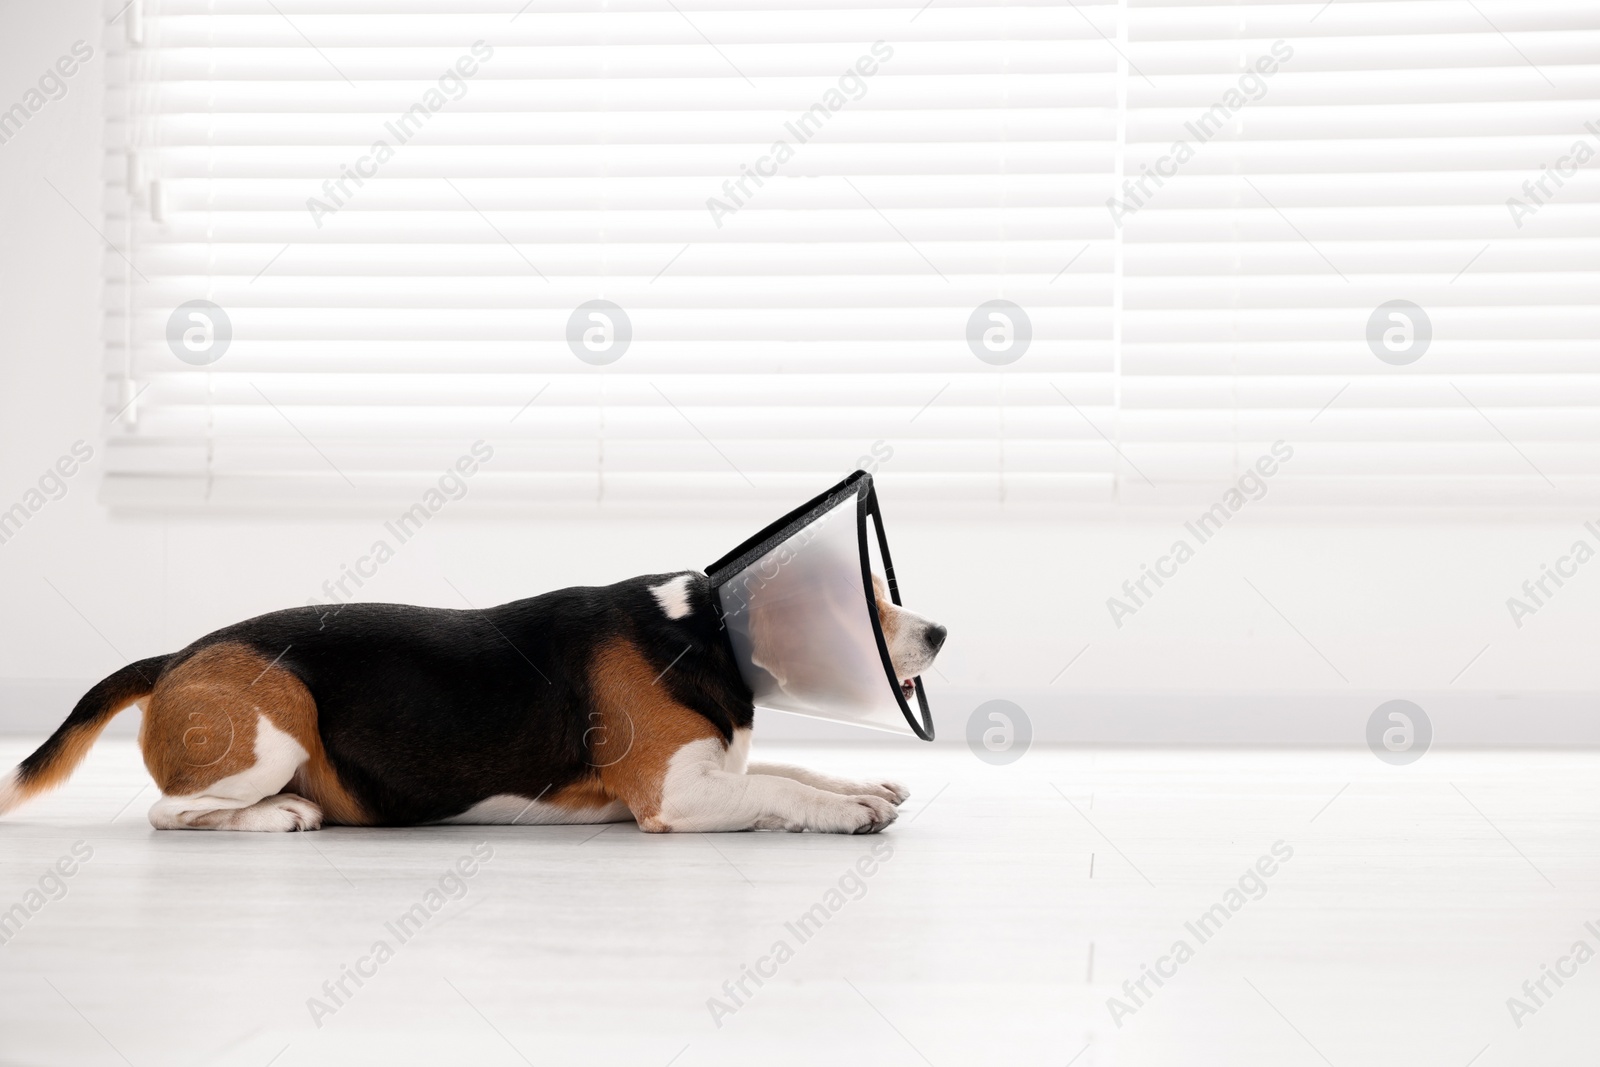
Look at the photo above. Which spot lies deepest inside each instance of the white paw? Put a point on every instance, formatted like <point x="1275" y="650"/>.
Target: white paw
<point x="856" y="815"/>
<point x="284" y="813"/>
<point x="893" y="792"/>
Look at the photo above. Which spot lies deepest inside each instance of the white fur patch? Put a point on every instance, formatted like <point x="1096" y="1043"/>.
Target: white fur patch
<point x="737" y="759"/>
<point x="10" y="790"/>
<point x="673" y="596"/>
<point x="508" y="809"/>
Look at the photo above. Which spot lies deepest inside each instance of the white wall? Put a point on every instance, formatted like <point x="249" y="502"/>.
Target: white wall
<point x="1398" y="604"/>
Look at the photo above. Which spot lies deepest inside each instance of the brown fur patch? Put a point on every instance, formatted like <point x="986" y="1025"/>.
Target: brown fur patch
<point x="200" y="727"/>
<point x="640" y="728"/>
<point x="318" y="782"/>
<point x="888" y="617"/>
<point x="584" y="795"/>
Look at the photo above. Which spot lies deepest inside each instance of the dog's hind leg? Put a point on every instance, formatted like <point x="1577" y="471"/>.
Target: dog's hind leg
<point x="224" y="732"/>
<point x="250" y="799"/>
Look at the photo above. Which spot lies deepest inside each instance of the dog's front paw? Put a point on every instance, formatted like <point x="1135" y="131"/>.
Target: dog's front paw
<point x="880" y="814"/>
<point x="893" y="792"/>
<point x="856" y="815"/>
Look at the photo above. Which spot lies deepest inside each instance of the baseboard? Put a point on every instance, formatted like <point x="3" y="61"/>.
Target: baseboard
<point x="1469" y="719"/>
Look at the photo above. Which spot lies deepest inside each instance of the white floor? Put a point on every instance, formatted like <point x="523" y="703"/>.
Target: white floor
<point x="1016" y="901"/>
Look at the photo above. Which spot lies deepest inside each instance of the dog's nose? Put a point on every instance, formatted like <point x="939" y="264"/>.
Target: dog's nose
<point x="935" y="636"/>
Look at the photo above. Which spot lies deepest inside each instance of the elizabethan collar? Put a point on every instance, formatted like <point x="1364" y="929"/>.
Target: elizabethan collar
<point x="798" y="604"/>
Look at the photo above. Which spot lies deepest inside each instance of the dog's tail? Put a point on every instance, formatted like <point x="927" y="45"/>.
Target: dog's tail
<point x="56" y="759"/>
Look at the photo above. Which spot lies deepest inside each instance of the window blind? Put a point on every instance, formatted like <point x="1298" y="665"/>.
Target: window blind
<point x="914" y="162"/>
<point x="1326" y="161"/>
<point x="727" y="250"/>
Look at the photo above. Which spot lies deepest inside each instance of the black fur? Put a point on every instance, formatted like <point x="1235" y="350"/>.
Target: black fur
<point x="424" y="712"/>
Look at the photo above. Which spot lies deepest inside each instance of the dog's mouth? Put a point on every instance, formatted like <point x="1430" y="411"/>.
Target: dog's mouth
<point x="908" y="689"/>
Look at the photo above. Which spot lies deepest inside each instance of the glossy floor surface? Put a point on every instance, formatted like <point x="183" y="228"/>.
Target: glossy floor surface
<point x="1297" y="908"/>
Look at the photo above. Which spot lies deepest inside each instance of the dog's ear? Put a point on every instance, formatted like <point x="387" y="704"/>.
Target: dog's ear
<point x="766" y="638"/>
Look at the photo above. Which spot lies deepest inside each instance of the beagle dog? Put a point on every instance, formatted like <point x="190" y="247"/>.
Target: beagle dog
<point x="584" y="705"/>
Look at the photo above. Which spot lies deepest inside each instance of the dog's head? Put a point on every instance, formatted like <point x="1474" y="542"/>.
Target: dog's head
<point x="781" y="650"/>
<point x="913" y="640"/>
